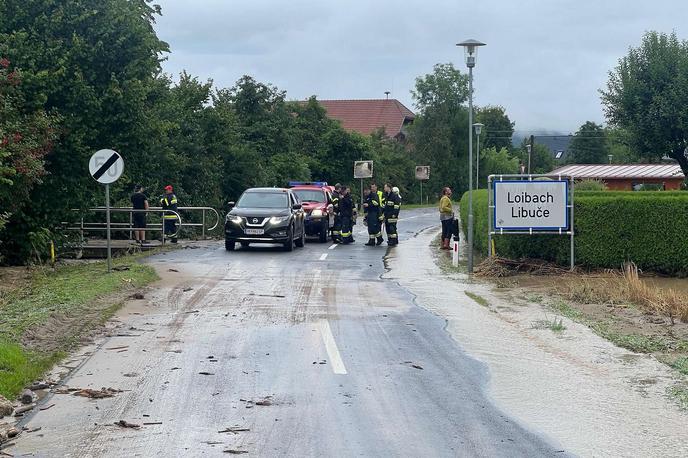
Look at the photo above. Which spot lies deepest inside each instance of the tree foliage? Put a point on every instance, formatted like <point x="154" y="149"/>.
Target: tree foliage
<point x="498" y="128"/>
<point x="589" y="145"/>
<point x="647" y="95"/>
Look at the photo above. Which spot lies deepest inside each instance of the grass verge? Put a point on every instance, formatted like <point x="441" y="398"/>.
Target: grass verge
<point x="40" y="322"/>
<point x="479" y="299"/>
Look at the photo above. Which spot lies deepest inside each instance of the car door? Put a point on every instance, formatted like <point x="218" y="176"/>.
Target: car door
<point x="299" y="218"/>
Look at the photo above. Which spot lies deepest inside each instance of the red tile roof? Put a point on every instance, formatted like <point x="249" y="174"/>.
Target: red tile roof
<point x="367" y="116"/>
<point x="604" y="171"/>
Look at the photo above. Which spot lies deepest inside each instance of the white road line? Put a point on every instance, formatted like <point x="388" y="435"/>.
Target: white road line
<point x="333" y="246"/>
<point x="331" y="347"/>
<point x="323" y="256"/>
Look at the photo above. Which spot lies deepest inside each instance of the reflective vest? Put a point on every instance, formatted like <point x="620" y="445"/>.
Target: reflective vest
<point x="169" y="202"/>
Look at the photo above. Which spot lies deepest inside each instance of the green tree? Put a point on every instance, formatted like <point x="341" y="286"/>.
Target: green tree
<point x="496" y="162"/>
<point x="439" y="134"/>
<point x="498" y="128"/>
<point x="589" y="145"/>
<point x="618" y="144"/>
<point x="647" y="95"/>
<point x="541" y="159"/>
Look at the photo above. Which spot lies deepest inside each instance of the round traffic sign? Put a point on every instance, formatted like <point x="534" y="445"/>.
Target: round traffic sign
<point x="106" y="166"/>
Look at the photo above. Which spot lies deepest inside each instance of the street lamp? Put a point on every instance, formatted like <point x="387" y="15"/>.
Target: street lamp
<point x="530" y="150"/>
<point x="478" y="129"/>
<point x="470" y="48"/>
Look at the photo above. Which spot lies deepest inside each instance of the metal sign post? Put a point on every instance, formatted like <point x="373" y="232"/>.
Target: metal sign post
<point x="422" y="174"/>
<point x="106" y="166"/>
<point x="530" y="204"/>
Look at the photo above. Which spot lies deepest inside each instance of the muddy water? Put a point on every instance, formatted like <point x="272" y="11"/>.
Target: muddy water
<point x="583" y="392"/>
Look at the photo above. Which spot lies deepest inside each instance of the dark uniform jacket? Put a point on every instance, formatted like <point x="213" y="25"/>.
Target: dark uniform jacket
<point x="373" y="207"/>
<point x="169" y="202"/>
<point x="346" y="207"/>
<point x="336" y="200"/>
<point x="392" y="206"/>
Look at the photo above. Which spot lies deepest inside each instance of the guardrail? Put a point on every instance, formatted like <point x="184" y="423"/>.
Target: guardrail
<point x="85" y="226"/>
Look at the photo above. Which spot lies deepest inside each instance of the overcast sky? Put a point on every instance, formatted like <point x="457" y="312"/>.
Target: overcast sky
<point x="545" y="60"/>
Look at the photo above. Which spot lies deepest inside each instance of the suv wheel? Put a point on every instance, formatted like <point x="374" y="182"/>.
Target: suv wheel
<point x="301" y="241"/>
<point x="229" y="246"/>
<point x="322" y="236"/>
<point x="289" y="244"/>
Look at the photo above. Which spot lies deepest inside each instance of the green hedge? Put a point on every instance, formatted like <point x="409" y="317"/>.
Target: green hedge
<point x="648" y="228"/>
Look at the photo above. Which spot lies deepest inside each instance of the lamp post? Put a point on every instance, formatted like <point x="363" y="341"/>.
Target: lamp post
<point x="478" y="129"/>
<point x="530" y="150"/>
<point x="470" y="48"/>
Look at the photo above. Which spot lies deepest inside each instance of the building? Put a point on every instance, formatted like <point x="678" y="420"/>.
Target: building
<point x="368" y="116"/>
<point x="629" y="177"/>
<point x="558" y="146"/>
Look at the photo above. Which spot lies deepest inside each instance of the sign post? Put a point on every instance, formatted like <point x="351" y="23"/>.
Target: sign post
<point x="422" y="174"/>
<point x="362" y="170"/>
<point x="106" y="166"/>
<point x="530" y="204"/>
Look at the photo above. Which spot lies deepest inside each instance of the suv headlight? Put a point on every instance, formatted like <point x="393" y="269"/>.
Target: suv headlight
<point x="317" y="213"/>
<point x="234" y="219"/>
<point x="278" y="219"/>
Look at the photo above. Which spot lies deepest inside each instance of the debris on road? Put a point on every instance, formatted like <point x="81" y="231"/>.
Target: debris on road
<point x="27" y="397"/>
<point x="205" y="373"/>
<point x="126" y="424"/>
<point x="150" y="423"/>
<point x="97" y="394"/>
<point x="39" y="386"/>
<point x="19" y="411"/>
<point x="138" y="296"/>
<point x="46" y="407"/>
<point x="235" y="452"/>
<point x="130" y="374"/>
<point x="6" y="407"/>
<point x="186" y="290"/>
<point x="416" y="366"/>
<point x="172" y="270"/>
<point x="118" y="348"/>
<point x="234" y="430"/>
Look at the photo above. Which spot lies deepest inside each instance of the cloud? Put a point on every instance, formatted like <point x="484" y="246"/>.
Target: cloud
<point x="545" y="60"/>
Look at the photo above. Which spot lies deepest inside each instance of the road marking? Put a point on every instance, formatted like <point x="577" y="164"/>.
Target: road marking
<point x="331" y="347"/>
<point x="333" y="246"/>
<point x="323" y="256"/>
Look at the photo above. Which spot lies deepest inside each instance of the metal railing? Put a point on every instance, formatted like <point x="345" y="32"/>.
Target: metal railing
<point x="89" y="226"/>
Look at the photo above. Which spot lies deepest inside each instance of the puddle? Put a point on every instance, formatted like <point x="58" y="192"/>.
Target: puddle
<point x="572" y="386"/>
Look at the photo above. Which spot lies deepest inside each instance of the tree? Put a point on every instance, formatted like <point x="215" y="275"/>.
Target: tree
<point x="647" y="95"/>
<point x="589" y="145"/>
<point x="498" y="128"/>
<point x="541" y="160"/>
<point x="497" y="162"/>
<point x="439" y="134"/>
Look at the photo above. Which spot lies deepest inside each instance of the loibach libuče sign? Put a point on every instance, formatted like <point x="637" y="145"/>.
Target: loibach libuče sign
<point x="526" y="205"/>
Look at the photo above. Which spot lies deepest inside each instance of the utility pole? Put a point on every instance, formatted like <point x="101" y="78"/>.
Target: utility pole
<point x="530" y="150"/>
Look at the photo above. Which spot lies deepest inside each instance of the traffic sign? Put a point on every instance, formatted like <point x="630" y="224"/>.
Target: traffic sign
<point x="422" y="172"/>
<point x="106" y="166"/>
<point x="363" y="169"/>
<point x="531" y="205"/>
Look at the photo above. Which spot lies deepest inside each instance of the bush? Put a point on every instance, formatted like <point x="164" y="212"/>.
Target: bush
<point x="611" y="228"/>
<point x="591" y="185"/>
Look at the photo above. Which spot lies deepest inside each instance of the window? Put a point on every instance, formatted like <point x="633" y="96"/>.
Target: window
<point x="263" y="200"/>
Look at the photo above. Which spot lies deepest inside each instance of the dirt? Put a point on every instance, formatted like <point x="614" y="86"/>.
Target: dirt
<point x="12" y="278"/>
<point x="84" y="325"/>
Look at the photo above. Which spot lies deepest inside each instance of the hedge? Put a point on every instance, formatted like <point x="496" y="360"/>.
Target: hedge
<point x="648" y="228"/>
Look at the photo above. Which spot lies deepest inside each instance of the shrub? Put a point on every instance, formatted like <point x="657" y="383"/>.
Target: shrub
<point x="591" y="185"/>
<point x="649" y="229"/>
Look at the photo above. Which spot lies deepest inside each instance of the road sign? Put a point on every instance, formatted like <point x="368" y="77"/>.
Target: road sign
<point x="422" y="172"/>
<point x="363" y="169"/>
<point x="531" y="205"/>
<point x="106" y="166"/>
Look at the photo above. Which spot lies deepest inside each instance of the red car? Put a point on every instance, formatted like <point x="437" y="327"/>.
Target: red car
<point x="316" y="198"/>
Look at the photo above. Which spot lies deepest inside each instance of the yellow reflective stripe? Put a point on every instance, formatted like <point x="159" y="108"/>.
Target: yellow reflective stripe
<point x="174" y="217"/>
<point x="397" y="207"/>
<point x="174" y="201"/>
<point x="376" y="203"/>
<point x="392" y="220"/>
<point x="392" y="236"/>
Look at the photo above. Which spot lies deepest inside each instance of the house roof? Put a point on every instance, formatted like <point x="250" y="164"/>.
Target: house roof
<point x="367" y="116"/>
<point x="558" y="145"/>
<point x="611" y="171"/>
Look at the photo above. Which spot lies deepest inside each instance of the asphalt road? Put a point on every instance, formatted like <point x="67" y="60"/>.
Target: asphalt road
<point x="310" y="352"/>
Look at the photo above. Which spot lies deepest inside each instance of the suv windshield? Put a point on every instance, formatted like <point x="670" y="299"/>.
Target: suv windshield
<point x="263" y="200"/>
<point x="310" y="195"/>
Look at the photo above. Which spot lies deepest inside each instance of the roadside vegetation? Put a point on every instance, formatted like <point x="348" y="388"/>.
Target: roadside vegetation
<point x="52" y="311"/>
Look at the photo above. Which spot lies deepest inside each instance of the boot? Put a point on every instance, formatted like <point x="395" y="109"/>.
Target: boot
<point x="380" y="240"/>
<point x="371" y="242"/>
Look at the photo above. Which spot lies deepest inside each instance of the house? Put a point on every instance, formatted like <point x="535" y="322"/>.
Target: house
<point x="368" y="116"/>
<point x="629" y="177"/>
<point x="558" y="146"/>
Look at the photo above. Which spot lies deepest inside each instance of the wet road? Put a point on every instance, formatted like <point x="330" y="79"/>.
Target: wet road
<point x="311" y="352"/>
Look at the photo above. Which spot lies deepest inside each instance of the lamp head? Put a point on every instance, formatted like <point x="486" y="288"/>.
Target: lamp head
<point x="478" y="128"/>
<point x="470" y="48"/>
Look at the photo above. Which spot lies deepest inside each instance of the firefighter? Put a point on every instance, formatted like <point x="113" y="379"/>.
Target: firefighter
<point x="337" y="228"/>
<point x="346" y="212"/>
<point x="374" y="216"/>
<point x="169" y="202"/>
<point x="391" y="211"/>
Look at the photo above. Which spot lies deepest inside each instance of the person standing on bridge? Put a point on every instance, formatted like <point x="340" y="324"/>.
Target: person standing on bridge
<point x="139" y="201"/>
<point x="169" y="202"/>
<point x="391" y="211"/>
<point x="446" y="217"/>
<point x="346" y="212"/>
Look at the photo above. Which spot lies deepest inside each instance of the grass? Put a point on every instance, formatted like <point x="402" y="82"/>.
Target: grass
<point x="70" y="293"/>
<point x="681" y="365"/>
<point x="477" y="298"/>
<point x="564" y="309"/>
<point x="680" y="394"/>
<point x="553" y="325"/>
